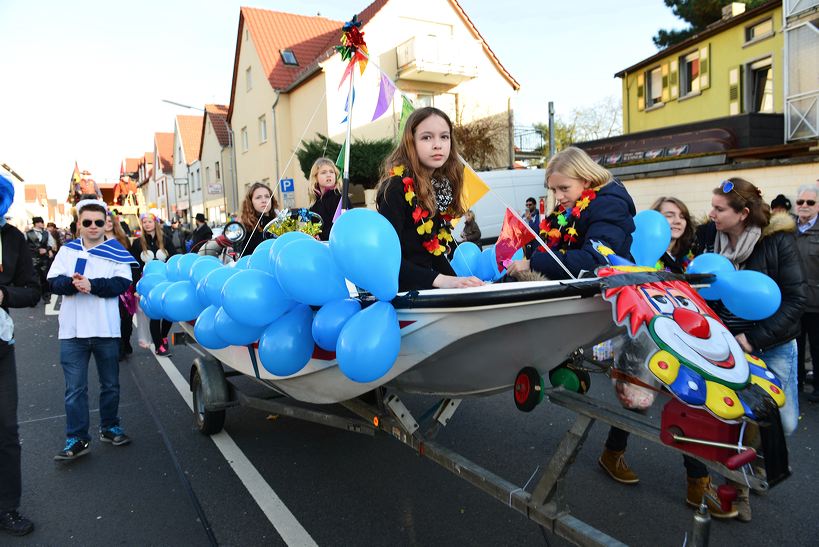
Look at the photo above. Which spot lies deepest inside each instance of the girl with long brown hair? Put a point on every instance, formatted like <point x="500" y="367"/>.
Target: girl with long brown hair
<point x="420" y="194"/>
<point x="258" y="208"/>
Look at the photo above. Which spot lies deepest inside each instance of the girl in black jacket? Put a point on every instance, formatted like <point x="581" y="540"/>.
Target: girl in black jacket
<point x="258" y="208"/>
<point x="420" y="195"/>
<point x="325" y="193"/>
<point x="153" y="244"/>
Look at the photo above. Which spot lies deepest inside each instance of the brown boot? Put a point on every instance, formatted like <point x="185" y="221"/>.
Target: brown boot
<point x="702" y="488"/>
<point x="614" y="462"/>
<point x="743" y="502"/>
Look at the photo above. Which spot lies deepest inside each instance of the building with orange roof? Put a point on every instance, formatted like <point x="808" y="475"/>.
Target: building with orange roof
<point x="187" y="180"/>
<point x="216" y="161"/>
<point x="161" y="187"/>
<point x="286" y="79"/>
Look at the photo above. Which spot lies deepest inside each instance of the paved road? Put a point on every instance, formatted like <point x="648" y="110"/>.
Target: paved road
<point x="173" y="486"/>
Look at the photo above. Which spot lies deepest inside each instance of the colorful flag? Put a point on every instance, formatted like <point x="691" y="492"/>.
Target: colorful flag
<point x="75" y="176"/>
<point x="386" y="92"/>
<point x="348" y="105"/>
<point x="474" y="188"/>
<point x="340" y="158"/>
<point x="514" y="235"/>
<point x="406" y="110"/>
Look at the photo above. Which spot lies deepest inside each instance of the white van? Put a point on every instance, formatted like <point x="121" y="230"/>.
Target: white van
<point x="508" y="187"/>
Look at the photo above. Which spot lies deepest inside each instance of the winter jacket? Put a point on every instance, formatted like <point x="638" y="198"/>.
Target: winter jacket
<point x="808" y="245"/>
<point x="326" y="207"/>
<point x="608" y="219"/>
<point x="200" y="234"/>
<point x="471" y="232"/>
<point x="19" y="283"/>
<point x="136" y="252"/>
<point x="775" y="255"/>
<point x="254" y="237"/>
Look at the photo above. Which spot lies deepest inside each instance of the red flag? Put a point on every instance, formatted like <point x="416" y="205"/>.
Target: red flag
<point x="514" y="234"/>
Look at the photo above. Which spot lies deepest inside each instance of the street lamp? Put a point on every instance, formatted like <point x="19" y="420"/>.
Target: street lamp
<point x="235" y="177"/>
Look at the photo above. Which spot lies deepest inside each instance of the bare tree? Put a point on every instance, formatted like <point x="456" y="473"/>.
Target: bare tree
<point x="483" y="142"/>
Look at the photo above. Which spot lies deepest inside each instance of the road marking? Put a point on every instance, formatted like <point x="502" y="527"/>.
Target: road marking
<point x="49" y="308"/>
<point x="285" y="523"/>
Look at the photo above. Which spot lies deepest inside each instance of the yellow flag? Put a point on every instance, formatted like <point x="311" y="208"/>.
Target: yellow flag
<point x="474" y="187"/>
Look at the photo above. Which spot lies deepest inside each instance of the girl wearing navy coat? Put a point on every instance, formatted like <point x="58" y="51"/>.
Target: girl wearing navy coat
<point x="591" y="206"/>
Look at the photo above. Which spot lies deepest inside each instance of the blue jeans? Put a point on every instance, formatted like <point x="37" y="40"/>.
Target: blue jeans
<point x="781" y="360"/>
<point x="74" y="356"/>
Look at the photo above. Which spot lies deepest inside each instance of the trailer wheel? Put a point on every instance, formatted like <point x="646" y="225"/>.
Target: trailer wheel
<point x="528" y="389"/>
<point x="208" y="422"/>
<point x="209" y="387"/>
<point x="571" y="379"/>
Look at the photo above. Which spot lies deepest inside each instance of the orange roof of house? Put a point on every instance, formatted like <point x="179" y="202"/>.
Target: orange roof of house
<point x="218" y="119"/>
<point x="132" y="165"/>
<point x="164" y="147"/>
<point x="190" y="132"/>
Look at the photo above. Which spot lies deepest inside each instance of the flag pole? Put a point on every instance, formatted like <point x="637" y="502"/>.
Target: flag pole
<point x="345" y="184"/>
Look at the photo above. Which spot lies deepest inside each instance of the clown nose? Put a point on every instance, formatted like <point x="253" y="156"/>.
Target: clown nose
<point x="692" y="323"/>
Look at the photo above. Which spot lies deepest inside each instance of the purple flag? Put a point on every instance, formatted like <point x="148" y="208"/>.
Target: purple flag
<point x="385" y="95"/>
<point x="339" y="210"/>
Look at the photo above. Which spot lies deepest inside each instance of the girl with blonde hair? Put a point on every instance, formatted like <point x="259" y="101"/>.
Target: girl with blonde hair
<point x="590" y="207"/>
<point x="325" y="193"/>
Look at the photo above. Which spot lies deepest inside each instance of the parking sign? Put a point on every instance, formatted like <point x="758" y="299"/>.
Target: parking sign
<point x="287" y="185"/>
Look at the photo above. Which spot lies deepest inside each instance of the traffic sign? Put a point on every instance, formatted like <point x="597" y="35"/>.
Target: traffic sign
<point x="287" y="185"/>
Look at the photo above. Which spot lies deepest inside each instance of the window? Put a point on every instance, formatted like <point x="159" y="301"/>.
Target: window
<point x="179" y="155"/>
<point x="443" y="101"/>
<point x="248" y="79"/>
<point x="247" y="35"/>
<point x="207" y="175"/>
<point x="289" y="57"/>
<point x="262" y="129"/>
<point x="244" y="139"/>
<point x="197" y="181"/>
<point x="654" y="93"/>
<point x="690" y="74"/>
<point x="218" y="173"/>
<point x="758" y="31"/>
<point x="760" y="78"/>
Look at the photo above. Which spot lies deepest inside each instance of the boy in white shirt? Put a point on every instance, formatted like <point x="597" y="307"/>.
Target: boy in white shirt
<point x="90" y="272"/>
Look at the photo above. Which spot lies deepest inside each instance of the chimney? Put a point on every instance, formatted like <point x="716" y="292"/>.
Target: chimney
<point x="732" y="10"/>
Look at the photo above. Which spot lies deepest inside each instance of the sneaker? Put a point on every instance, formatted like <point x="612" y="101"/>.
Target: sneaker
<point x="15" y="524"/>
<point x="74" y="448"/>
<point x="114" y="435"/>
<point x="163" y="351"/>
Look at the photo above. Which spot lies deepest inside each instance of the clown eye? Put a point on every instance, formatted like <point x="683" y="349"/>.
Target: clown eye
<point x="686" y="303"/>
<point x="662" y="303"/>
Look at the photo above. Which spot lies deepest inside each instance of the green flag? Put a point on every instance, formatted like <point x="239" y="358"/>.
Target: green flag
<point x="340" y="158"/>
<point x="406" y="110"/>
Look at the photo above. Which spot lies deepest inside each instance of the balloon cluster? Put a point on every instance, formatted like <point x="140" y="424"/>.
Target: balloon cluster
<point x="268" y="297"/>
<point x="746" y="293"/>
<point x="469" y="260"/>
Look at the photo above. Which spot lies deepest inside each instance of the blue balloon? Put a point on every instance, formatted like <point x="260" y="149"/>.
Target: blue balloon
<point x="281" y="242"/>
<point x="464" y="261"/>
<point x="243" y="263"/>
<point x="148" y="309"/>
<point x="710" y="263"/>
<point x="202" y="267"/>
<point x="155" y="267"/>
<point x="148" y="282"/>
<point x="172" y="268"/>
<point x="749" y="294"/>
<point x="366" y="249"/>
<point x="155" y="299"/>
<point x="209" y="289"/>
<point x="184" y="265"/>
<point x="180" y="303"/>
<point x="486" y="266"/>
<point x="307" y="273"/>
<point x="254" y="298"/>
<point x="286" y="345"/>
<point x="260" y="259"/>
<point x="330" y="319"/>
<point x="369" y="343"/>
<point x="651" y="237"/>
<point x="205" y="330"/>
<point x="235" y="333"/>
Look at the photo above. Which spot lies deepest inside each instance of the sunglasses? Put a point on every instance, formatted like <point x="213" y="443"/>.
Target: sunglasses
<point x="87" y="223"/>
<point x="809" y="202"/>
<point x="728" y="186"/>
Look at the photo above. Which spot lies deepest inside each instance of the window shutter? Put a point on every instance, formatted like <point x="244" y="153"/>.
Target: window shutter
<point x="673" y="79"/>
<point x="735" y="91"/>
<point x="705" y="67"/>
<point x="641" y="92"/>
<point x="666" y="92"/>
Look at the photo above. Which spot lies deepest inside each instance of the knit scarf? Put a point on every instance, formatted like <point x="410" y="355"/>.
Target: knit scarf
<point x="745" y="245"/>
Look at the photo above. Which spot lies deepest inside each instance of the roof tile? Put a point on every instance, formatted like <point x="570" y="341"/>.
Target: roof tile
<point x="164" y="146"/>
<point x="190" y="132"/>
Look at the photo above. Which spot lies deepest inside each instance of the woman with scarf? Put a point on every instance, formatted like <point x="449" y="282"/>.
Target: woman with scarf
<point x="153" y="244"/>
<point x="258" y="208"/>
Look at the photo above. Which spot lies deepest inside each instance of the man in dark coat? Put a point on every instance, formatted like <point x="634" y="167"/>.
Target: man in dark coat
<point x="41" y="251"/>
<point x="19" y="288"/>
<point x="201" y="233"/>
<point x="807" y="241"/>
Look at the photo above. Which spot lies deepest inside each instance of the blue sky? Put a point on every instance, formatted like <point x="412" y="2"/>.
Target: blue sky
<point x="84" y="80"/>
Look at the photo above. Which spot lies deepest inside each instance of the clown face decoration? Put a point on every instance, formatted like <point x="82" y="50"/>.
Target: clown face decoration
<point x="697" y="357"/>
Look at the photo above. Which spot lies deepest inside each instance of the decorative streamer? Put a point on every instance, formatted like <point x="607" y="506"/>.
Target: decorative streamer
<point x="385" y="94"/>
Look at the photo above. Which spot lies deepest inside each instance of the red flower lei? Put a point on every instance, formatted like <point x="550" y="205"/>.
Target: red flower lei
<point x="556" y="228"/>
<point x="434" y="230"/>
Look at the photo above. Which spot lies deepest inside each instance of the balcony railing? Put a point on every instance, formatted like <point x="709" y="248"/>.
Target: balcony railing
<point x="438" y="59"/>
